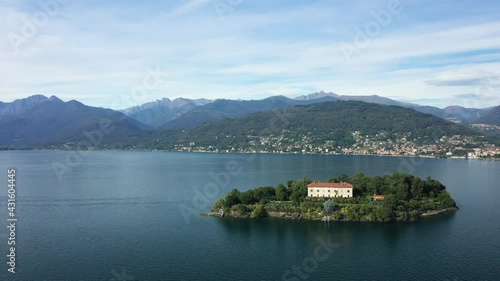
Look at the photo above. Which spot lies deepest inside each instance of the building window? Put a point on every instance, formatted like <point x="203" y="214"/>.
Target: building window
<point x="328" y="190"/>
<point x="318" y="190"/>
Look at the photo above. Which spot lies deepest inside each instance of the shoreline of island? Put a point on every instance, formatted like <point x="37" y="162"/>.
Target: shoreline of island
<point x="389" y="198"/>
<point x="301" y="216"/>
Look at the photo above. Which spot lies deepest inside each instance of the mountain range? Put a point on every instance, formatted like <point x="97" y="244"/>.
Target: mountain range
<point x="22" y="105"/>
<point x="221" y="109"/>
<point x="165" y="114"/>
<point x="43" y="121"/>
<point x="158" y="113"/>
<point x="452" y="113"/>
<point x="491" y="117"/>
<point x="315" y="124"/>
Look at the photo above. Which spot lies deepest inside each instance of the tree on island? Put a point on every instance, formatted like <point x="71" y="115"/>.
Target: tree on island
<point x="329" y="206"/>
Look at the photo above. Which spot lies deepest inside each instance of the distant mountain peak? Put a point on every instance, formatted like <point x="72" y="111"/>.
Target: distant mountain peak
<point x="54" y="98"/>
<point x="35" y="99"/>
<point x="19" y="106"/>
<point x="36" y="96"/>
<point x="280" y="97"/>
<point x="316" y="95"/>
<point x="55" y="122"/>
<point x="159" y="112"/>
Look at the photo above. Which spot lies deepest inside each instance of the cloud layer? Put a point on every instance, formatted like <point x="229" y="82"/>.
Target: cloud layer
<point x="99" y="51"/>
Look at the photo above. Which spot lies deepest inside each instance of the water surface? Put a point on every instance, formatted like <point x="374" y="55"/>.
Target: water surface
<point x="133" y="216"/>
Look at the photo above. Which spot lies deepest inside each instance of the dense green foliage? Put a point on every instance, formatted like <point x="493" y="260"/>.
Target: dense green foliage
<point x="406" y="198"/>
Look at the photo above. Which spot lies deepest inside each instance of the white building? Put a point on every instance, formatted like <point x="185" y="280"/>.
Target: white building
<point x="328" y="189"/>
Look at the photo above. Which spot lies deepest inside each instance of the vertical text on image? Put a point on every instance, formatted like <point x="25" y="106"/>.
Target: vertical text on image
<point x="11" y="220"/>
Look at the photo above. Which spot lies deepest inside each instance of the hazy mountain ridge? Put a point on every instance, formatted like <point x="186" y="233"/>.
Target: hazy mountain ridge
<point x="223" y="108"/>
<point x="455" y="112"/>
<point x="54" y="122"/>
<point x="43" y="121"/>
<point x="492" y="117"/>
<point x="22" y="105"/>
<point x="159" y="112"/>
<point x="163" y="115"/>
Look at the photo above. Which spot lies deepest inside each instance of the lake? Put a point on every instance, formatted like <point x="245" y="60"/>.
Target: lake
<point x="112" y="215"/>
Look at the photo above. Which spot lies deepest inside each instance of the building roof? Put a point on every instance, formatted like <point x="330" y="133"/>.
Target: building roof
<point x="330" y="185"/>
<point x="378" y="197"/>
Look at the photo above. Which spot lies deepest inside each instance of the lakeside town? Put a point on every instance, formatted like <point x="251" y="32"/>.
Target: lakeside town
<point x="456" y="146"/>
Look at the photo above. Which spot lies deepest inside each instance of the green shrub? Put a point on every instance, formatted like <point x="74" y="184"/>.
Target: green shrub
<point x="258" y="212"/>
<point x="240" y="209"/>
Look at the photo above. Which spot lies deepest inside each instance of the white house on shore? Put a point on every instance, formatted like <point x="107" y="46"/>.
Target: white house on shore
<point x="328" y="189"/>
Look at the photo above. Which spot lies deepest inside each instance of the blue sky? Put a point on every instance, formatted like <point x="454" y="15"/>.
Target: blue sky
<point x="103" y="52"/>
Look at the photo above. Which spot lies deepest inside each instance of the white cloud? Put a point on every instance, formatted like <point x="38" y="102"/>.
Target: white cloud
<point x="462" y="79"/>
<point x="95" y="55"/>
<point x="189" y="7"/>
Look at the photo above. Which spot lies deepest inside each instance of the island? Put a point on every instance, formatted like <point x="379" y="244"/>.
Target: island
<point x="389" y="198"/>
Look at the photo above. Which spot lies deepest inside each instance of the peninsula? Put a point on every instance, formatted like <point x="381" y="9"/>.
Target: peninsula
<point x="388" y="198"/>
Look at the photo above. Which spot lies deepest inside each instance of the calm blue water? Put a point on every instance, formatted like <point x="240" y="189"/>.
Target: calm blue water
<point x="133" y="216"/>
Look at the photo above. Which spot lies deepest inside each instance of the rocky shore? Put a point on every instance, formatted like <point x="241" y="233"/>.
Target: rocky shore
<point x="305" y="216"/>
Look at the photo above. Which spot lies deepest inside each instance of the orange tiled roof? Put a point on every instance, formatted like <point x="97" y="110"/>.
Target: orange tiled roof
<point x="330" y="184"/>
